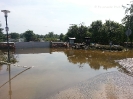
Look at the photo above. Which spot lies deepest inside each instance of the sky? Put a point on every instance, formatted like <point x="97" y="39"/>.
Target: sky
<point x="44" y="16"/>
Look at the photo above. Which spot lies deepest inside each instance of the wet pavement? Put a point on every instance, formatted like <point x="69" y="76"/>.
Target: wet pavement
<point x="111" y="85"/>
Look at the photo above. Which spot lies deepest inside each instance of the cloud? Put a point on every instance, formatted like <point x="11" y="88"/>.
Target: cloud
<point x="58" y="14"/>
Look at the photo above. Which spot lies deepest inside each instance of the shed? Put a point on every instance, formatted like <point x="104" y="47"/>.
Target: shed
<point x="71" y="40"/>
<point x="87" y="40"/>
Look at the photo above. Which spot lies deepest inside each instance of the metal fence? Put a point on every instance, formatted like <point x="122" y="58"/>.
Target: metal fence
<point x="22" y="45"/>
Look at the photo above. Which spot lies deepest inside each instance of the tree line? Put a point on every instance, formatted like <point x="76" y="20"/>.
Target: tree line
<point x="99" y="32"/>
<point x="107" y="32"/>
<point x="29" y="35"/>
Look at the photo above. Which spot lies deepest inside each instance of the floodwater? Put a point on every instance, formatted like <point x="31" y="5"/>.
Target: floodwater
<point x="41" y="73"/>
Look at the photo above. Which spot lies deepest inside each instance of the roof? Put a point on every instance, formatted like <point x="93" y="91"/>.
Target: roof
<point x="72" y="38"/>
<point x="87" y="37"/>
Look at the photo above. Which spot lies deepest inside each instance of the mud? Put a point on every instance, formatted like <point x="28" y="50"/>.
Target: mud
<point x="111" y="85"/>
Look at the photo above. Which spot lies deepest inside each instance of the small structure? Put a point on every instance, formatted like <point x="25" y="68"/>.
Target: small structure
<point x="71" y="41"/>
<point x="87" y="40"/>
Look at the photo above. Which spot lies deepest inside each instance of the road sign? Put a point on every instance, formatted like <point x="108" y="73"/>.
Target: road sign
<point x="128" y="32"/>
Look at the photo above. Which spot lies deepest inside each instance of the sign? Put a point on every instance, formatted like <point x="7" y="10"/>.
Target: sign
<point x="7" y="29"/>
<point x="128" y="32"/>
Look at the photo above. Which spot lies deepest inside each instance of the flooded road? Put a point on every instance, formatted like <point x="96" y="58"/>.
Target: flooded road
<point x="111" y="85"/>
<point x="41" y="73"/>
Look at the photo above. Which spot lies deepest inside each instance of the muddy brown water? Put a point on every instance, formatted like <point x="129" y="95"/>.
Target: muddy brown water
<point x="55" y="70"/>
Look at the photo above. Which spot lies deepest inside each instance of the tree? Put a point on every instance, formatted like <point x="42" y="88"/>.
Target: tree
<point x="29" y="35"/>
<point x="82" y="32"/>
<point x="72" y="31"/>
<point x="21" y="35"/>
<point x="61" y="37"/>
<point x="2" y="36"/>
<point x="14" y="35"/>
<point x="96" y="28"/>
<point x="108" y="32"/>
<point x="79" y="32"/>
<point x="51" y="36"/>
<point x="128" y="19"/>
<point x="115" y="32"/>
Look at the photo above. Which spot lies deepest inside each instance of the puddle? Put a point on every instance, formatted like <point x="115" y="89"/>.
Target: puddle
<point x="56" y="70"/>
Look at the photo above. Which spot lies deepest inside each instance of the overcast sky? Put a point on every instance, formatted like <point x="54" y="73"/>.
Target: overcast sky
<point x="43" y="16"/>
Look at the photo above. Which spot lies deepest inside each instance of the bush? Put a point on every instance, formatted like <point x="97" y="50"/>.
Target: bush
<point x="107" y="47"/>
<point x="4" y="58"/>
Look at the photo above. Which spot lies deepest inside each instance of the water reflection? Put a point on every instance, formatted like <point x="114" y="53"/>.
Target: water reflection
<point x="10" y="79"/>
<point x="94" y="58"/>
<point x="10" y="89"/>
<point x="55" y="69"/>
<point x="33" y="51"/>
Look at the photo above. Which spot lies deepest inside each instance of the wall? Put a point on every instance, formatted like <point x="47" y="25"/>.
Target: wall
<point x="22" y="45"/>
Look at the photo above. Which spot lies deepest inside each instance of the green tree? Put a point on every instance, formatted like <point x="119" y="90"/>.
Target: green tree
<point x="61" y="37"/>
<point x="51" y="36"/>
<point x="2" y="36"/>
<point x="116" y="32"/>
<point x="29" y="36"/>
<point x="99" y="32"/>
<point x="72" y="31"/>
<point x="14" y="35"/>
<point x="21" y="35"/>
<point x="82" y="32"/>
<point x="128" y="19"/>
<point x="108" y="32"/>
<point x="95" y="29"/>
<point x="78" y="31"/>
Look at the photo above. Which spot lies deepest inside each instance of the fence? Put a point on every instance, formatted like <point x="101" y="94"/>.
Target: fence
<point x="22" y="45"/>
